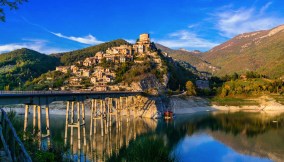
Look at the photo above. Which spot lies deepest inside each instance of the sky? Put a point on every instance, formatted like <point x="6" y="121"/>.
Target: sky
<point x="195" y="148"/>
<point x="52" y="26"/>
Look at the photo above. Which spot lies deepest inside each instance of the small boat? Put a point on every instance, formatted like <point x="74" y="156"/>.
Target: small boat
<point x="168" y="115"/>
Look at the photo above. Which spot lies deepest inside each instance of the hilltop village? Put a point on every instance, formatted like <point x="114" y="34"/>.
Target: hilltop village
<point x="101" y="77"/>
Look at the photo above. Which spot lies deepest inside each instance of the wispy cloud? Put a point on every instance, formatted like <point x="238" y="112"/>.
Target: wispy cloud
<point x="191" y="26"/>
<point x="130" y="40"/>
<point x="231" y="22"/>
<point x="185" y="39"/>
<point x="265" y="7"/>
<point x="34" y="24"/>
<point x="34" y="44"/>
<point x="89" y="39"/>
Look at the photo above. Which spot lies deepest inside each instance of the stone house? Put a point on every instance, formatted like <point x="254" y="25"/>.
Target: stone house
<point x="74" y="69"/>
<point x="101" y="88"/>
<point x="99" y="56"/>
<point x="63" y="69"/>
<point x="86" y="73"/>
<point x="74" y="80"/>
<point x="89" y="61"/>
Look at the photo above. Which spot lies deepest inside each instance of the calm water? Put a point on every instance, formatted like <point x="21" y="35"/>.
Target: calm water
<point x="200" y="137"/>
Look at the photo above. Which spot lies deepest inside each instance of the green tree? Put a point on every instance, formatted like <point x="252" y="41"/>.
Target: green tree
<point x="12" y="5"/>
<point x="190" y="88"/>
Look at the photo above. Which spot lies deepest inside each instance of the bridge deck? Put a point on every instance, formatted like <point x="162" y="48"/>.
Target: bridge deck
<point x="46" y="97"/>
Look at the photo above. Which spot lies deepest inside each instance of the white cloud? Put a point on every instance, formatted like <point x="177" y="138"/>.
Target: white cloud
<point x="89" y="39"/>
<point x="185" y="39"/>
<point x="34" y="44"/>
<point x="130" y="40"/>
<point x="232" y="22"/>
<point x="191" y="26"/>
<point x="265" y="7"/>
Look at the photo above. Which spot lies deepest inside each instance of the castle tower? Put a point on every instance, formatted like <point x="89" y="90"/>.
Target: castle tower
<point x="144" y="38"/>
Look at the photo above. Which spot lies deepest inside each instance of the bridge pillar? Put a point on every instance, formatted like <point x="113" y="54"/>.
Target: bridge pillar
<point x="66" y="122"/>
<point x="84" y="122"/>
<point x="109" y="114"/>
<point x="119" y="108"/>
<point x="72" y="122"/>
<point x="34" y="118"/>
<point x="97" y="113"/>
<point x="39" y="124"/>
<point x="26" y="118"/>
<point x="80" y="114"/>
<point x="105" y="115"/>
<point x="102" y="116"/>
<point x="92" y="116"/>
<point x="47" y="119"/>
<point x="127" y="109"/>
<point x="116" y="113"/>
<point x="78" y="126"/>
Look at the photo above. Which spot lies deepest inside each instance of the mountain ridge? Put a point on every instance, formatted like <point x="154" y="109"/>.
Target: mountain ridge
<point x="260" y="51"/>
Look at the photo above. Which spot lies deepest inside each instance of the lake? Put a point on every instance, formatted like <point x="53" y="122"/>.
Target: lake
<point x="214" y="137"/>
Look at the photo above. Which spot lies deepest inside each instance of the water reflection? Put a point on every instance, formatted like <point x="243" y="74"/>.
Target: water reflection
<point x="245" y="136"/>
<point x="220" y="136"/>
<point x="103" y="143"/>
<point x="203" y="147"/>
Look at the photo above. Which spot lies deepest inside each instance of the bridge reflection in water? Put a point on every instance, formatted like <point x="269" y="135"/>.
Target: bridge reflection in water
<point x="107" y="109"/>
<point x="100" y="148"/>
<point x="109" y="129"/>
<point x="111" y="125"/>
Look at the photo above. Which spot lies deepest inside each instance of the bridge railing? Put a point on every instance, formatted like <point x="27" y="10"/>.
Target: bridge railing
<point x="11" y="143"/>
<point x="58" y="92"/>
<point x="34" y="92"/>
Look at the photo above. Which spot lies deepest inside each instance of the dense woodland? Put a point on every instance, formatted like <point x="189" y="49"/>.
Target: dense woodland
<point x="247" y="84"/>
<point x="23" y="65"/>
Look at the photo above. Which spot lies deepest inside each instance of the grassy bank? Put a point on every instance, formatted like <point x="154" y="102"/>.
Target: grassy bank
<point x="233" y="101"/>
<point x="278" y="98"/>
<point x="252" y="100"/>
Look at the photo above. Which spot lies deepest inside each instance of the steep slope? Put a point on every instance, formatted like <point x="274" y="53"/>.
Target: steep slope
<point x="150" y="71"/>
<point x="193" y="58"/>
<point x="68" y="58"/>
<point x="261" y="51"/>
<point x="21" y="65"/>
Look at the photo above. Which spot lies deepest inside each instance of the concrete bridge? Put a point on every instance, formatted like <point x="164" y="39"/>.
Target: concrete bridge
<point x="103" y="106"/>
<point x="47" y="97"/>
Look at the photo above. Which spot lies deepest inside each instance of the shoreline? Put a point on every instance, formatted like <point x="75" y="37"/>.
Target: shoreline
<point x="178" y="104"/>
<point x="190" y="105"/>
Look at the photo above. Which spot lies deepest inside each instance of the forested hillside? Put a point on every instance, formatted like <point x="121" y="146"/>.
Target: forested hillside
<point x="18" y="66"/>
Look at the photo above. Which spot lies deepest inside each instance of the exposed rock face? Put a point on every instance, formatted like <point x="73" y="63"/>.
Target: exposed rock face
<point x="186" y="104"/>
<point x="148" y="107"/>
<point x="276" y="30"/>
<point x="150" y="83"/>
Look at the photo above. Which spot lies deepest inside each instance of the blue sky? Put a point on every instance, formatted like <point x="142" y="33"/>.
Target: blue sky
<point x="50" y="26"/>
<point x="195" y="148"/>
